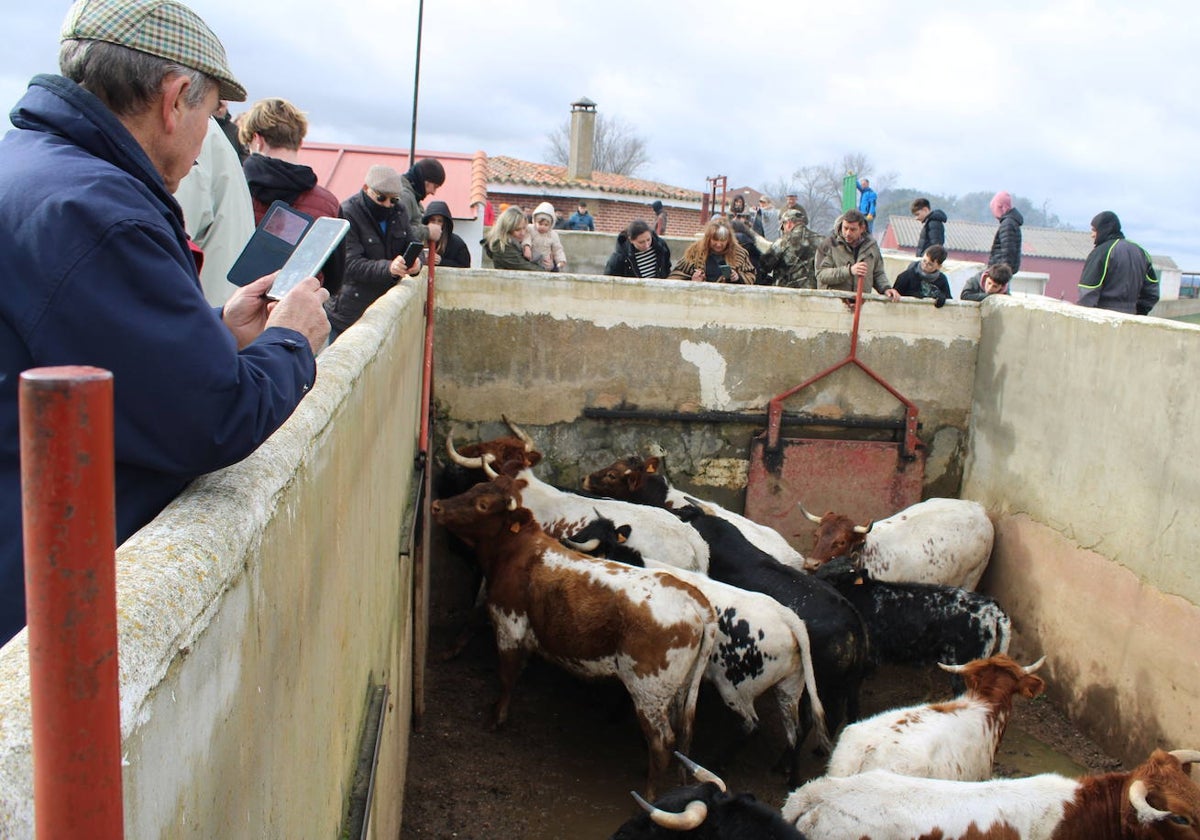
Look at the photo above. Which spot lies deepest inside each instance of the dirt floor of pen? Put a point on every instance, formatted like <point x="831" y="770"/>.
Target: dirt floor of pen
<point x="563" y="766"/>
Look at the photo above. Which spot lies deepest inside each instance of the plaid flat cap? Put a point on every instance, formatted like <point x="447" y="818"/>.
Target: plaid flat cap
<point x="164" y="28"/>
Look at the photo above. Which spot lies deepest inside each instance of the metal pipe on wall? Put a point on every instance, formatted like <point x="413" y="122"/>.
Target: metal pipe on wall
<point x="67" y="488"/>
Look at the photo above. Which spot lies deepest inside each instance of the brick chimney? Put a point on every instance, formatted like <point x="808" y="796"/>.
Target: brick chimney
<point x="582" y="140"/>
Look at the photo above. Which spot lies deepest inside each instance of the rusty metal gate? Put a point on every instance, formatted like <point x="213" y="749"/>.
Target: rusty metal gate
<point x="864" y="479"/>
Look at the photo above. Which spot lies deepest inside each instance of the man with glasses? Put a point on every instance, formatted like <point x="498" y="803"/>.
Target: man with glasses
<point x="380" y="230"/>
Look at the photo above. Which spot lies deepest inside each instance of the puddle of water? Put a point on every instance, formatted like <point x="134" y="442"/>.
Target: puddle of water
<point x="1021" y="754"/>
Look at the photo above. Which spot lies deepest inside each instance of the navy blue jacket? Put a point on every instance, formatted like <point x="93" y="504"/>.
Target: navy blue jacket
<point x="95" y="270"/>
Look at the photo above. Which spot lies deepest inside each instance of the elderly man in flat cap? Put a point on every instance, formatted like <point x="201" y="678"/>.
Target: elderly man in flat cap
<point x="96" y="269"/>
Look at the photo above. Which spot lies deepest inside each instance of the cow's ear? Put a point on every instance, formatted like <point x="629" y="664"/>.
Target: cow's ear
<point x="623" y="533"/>
<point x="634" y="479"/>
<point x="652" y="464"/>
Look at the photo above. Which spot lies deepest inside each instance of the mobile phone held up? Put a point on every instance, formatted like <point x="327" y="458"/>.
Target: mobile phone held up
<point x="314" y="249"/>
<point x="412" y="252"/>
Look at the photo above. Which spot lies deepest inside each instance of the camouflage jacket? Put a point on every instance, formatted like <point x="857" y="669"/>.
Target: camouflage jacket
<point x="791" y="259"/>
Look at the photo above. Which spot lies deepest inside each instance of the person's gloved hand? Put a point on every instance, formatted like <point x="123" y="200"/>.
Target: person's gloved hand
<point x="939" y="300"/>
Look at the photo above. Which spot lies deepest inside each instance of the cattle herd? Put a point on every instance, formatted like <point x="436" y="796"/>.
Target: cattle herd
<point x="635" y="580"/>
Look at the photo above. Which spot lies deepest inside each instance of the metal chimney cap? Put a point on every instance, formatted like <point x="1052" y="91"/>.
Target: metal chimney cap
<point x="584" y="104"/>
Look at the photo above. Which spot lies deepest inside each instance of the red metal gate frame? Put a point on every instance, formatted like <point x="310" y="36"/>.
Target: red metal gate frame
<point x="775" y="407"/>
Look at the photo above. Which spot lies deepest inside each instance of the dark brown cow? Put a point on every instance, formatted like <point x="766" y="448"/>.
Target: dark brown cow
<point x="594" y="618"/>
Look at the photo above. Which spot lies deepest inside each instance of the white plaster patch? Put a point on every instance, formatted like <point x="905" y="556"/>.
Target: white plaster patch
<point x="711" y="366"/>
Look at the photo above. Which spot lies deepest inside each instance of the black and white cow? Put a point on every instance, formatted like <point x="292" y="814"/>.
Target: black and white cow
<point x="920" y="623"/>
<point x="706" y="811"/>
<point x="760" y="643"/>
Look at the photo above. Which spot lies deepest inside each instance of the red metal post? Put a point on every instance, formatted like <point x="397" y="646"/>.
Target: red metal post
<point x="66" y="430"/>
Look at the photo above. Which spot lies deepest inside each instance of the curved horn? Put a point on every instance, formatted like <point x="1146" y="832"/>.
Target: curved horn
<point x="1029" y="669"/>
<point x="512" y="501"/>
<point x="461" y="460"/>
<point x="1186" y="756"/>
<point x="691" y="816"/>
<point x="811" y="518"/>
<point x="1146" y="812"/>
<point x="585" y="547"/>
<point x="953" y="669"/>
<point x="700" y="773"/>
<point x="519" y="432"/>
<point x="487" y="466"/>
<point x="864" y="529"/>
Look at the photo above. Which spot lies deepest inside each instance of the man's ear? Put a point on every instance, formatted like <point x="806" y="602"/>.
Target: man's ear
<point x="172" y="105"/>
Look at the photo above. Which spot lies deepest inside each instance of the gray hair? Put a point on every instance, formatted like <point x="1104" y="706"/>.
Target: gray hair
<point x="126" y="80"/>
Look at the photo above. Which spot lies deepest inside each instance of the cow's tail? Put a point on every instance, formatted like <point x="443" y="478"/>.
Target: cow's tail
<point x="684" y="712"/>
<point x="1003" y="631"/>
<point x="800" y="632"/>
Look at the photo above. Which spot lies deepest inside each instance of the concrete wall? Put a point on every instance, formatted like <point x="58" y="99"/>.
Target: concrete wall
<point x="254" y="612"/>
<point x="542" y="348"/>
<point x="1078" y="445"/>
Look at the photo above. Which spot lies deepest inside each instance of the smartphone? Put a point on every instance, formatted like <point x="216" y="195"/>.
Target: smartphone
<point x="271" y="243"/>
<point x="412" y="252"/>
<point x="726" y="272"/>
<point x="314" y="249"/>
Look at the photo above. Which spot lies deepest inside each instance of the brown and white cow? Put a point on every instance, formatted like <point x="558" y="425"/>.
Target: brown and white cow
<point x="656" y="533"/>
<point x="956" y="739"/>
<point x="943" y="541"/>
<point x="1157" y="800"/>
<point x="594" y="618"/>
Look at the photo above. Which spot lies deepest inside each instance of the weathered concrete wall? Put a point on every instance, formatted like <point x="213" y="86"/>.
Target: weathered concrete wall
<point x="1075" y="447"/>
<point x="542" y="348"/>
<point x="1176" y="308"/>
<point x="254" y="612"/>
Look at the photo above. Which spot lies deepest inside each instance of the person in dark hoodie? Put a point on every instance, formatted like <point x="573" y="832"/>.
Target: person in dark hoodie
<point x="1118" y="274"/>
<point x="640" y="252"/>
<point x="420" y="182"/>
<point x="933" y="225"/>
<point x="272" y="130"/>
<point x="450" y="251"/>
<point x="1006" y="246"/>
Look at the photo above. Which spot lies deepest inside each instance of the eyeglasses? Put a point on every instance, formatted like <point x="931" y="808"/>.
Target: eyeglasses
<point x="386" y="200"/>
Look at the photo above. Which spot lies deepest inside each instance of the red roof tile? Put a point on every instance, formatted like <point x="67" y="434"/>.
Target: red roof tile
<point x="506" y="170"/>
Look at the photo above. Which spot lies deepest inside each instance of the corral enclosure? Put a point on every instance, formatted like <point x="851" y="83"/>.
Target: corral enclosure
<point x="259" y="608"/>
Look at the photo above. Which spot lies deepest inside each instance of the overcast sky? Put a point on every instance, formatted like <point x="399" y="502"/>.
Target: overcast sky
<point x="1083" y="105"/>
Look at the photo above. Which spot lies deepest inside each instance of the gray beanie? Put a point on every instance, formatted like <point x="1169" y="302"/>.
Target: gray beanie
<point x="384" y="179"/>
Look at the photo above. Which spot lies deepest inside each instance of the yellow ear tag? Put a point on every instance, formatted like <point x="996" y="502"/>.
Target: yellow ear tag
<point x="620" y="538"/>
<point x="858" y="581"/>
<point x="515" y="527"/>
<point x="650" y="468"/>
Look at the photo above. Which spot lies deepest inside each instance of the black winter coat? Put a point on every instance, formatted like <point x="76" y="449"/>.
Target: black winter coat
<point x="933" y="231"/>
<point x="1006" y="246"/>
<point x="368" y="254"/>
<point x="621" y="262"/>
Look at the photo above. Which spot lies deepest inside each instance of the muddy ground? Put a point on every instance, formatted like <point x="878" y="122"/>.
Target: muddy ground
<point x="563" y="766"/>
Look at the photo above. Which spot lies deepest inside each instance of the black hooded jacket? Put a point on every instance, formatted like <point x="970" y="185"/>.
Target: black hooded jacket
<point x="1118" y="274"/>
<point x="622" y="263"/>
<point x="1006" y="245"/>
<point x="453" y="249"/>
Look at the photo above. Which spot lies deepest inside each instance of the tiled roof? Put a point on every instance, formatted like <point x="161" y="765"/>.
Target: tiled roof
<point x="1053" y="243"/>
<point x="506" y="170"/>
<point x="977" y="236"/>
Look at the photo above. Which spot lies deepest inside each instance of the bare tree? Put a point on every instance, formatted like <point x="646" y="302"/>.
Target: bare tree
<point x="618" y="150"/>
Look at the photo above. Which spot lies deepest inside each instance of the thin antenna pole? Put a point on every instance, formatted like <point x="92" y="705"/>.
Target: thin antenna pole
<point x="412" y="146"/>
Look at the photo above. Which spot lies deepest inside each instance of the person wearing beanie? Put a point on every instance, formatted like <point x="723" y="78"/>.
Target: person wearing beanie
<point x="450" y="251"/>
<point x="1006" y="245"/>
<point x="542" y="244"/>
<point x="660" y="218"/>
<point x="375" y="244"/>
<point x="1118" y="275"/>
<point x="581" y="219"/>
<point x="273" y="130"/>
<point x="420" y="182"/>
<point x="102" y="272"/>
